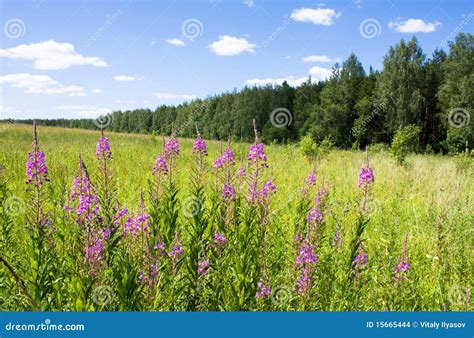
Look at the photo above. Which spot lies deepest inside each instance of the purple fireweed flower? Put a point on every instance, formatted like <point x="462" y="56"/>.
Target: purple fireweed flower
<point x="315" y="217"/>
<point x="267" y="189"/>
<point x="228" y="157"/>
<point x="366" y="174"/>
<point x="203" y="267"/>
<point x="228" y="193"/>
<point x="122" y="212"/>
<point x="143" y="278"/>
<point x="263" y="290"/>
<point x="160" y="166"/>
<point x="360" y="261"/>
<point x="199" y="146"/>
<point x="218" y="163"/>
<point x="309" y="182"/>
<point x="87" y="202"/>
<point x="116" y="218"/>
<point x="102" y="150"/>
<point x="366" y="177"/>
<point x="256" y="154"/>
<point x="297" y="239"/>
<point x="306" y="263"/>
<point x="160" y="247"/>
<point x="321" y="194"/>
<point x="95" y="249"/>
<point x="219" y="240"/>
<point x="134" y="225"/>
<point x="172" y="147"/>
<point x="402" y="265"/>
<point x="36" y="169"/>
<point x="337" y="240"/>
<point x="311" y="179"/>
<point x="304" y="281"/>
<point x="306" y="255"/>
<point x="176" y="252"/>
<point x="240" y="172"/>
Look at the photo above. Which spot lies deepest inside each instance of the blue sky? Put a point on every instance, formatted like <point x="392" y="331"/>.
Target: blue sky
<point x="78" y="59"/>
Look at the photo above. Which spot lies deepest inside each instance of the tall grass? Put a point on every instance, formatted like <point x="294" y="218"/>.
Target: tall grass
<point x="420" y="213"/>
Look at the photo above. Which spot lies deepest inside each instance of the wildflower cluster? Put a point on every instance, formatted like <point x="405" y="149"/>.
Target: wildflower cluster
<point x="402" y="266"/>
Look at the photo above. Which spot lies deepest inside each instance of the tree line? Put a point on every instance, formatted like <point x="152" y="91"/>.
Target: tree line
<point x="352" y="108"/>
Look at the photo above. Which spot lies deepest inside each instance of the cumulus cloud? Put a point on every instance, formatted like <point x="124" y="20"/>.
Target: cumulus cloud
<point x="413" y="26"/>
<point x="84" y="110"/>
<point x="320" y="58"/>
<point x="97" y="91"/>
<point x="291" y="80"/>
<point x="176" y="42"/>
<point x="318" y="16"/>
<point x="125" y="78"/>
<point x="40" y="84"/>
<point x="51" y="55"/>
<point x="319" y="73"/>
<point x="171" y="96"/>
<point x="230" y="46"/>
<point x="249" y="3"/>
<point x="8" y="110"/>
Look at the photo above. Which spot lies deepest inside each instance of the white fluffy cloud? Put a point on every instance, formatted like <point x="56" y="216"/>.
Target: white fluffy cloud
<point x="413" y="26"/>
<point x="125" y="78"/>
<point x="84" y="110"/>
<point x="249" y="3"/>
<point x="171" y="96"/>
<point x="320" y="58"/>
<point x="176" y="42"/>
<point x="51" y="55"/>
<point x="40" y="84"/>
<point x="8" y="111"/>
<point x="97" y="91"/>
<point x="319" y="73"/>
<point x="230" y="46"/>
<point x="291" y="80"/>
<point x="318" y="16"/>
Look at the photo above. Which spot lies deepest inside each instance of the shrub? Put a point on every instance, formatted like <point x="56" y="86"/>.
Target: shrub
<point x="312" y="150"/>
<point x="377" y="148"/>
<point x="464" y="162"/>
<point x="406" y="140"/>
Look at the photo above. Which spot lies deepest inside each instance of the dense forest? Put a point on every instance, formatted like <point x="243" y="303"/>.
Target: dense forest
<point x="351" y="109"/>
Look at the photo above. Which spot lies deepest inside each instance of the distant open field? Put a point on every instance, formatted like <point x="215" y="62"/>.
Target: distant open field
<point x="428" y="202"/>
